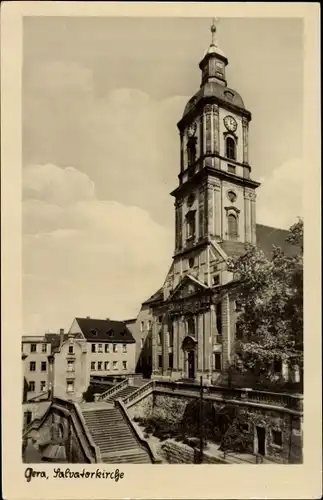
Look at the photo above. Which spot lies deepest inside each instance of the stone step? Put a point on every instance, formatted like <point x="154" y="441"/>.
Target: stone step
<point x="113" y="434"/>
<point x="135" y="456"/>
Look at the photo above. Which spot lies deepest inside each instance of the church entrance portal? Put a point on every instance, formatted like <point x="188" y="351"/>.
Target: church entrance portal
<point x="191" y="364"/>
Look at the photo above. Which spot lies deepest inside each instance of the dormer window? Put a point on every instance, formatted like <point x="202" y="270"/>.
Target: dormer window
<point x="230" y="148"/>
<point x="94" y="331"/>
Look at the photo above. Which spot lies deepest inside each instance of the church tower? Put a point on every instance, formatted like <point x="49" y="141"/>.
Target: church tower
<point x="194" y="314"/>
<point x="215" y="198"/>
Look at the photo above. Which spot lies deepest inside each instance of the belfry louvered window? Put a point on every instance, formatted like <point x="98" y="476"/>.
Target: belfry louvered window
<point x="230" y="148"/>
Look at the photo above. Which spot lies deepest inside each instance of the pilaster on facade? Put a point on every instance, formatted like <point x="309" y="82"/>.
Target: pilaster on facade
<point x="175" y="343"/>
<point x="200" y="333"/>
<point x="216" y="128"/>
<point x="207" y="345"/>
<point x="226" y="334"/>
<point x="165" y="359"/>
<point x="154" y="346"/>
<point x="253" y="219"/>
<point x="182" y="334"/>
<point x="245" y="127"/>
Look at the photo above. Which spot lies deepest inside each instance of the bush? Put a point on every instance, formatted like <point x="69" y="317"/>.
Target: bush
<point x="235" y="439"/>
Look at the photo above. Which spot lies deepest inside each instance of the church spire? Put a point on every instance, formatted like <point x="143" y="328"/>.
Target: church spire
<point x="213" y="29"/>
<point x="214" y="61"/>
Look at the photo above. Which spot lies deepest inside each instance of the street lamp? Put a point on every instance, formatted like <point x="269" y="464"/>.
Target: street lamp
<point x="201" y="420"/>
<point x="51" y="381"/>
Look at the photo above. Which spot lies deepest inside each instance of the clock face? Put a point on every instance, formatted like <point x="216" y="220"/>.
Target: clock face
<point x="191" y="129"/>
<point x="230" y="123"/>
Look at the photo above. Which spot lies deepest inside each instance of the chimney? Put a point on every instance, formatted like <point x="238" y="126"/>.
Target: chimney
<point x="88" y="317"/>
<point x="61" y="336"/>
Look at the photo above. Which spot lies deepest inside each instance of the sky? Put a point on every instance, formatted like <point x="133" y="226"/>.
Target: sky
<point x="101" y="98"/>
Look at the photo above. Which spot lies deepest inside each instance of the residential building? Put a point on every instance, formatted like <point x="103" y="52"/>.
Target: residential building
<point x="35" y="353"/>
<point x="71" y="369"/>
<point x="141" y="329"/>
<point x="111" y="347"/>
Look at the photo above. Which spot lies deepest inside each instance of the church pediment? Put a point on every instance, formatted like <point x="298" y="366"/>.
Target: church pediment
<point x="187" y="287"/>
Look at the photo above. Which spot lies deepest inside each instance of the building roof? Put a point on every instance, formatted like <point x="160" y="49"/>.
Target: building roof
<point x="105" y="330"/>
<point x="33" y="338"/>
<point x="268" y="236"/>
<point x="156" y="297"/>
<point x="129" y="321"/>
<point x="214" y="89"/>
<point x="55" y="339"/>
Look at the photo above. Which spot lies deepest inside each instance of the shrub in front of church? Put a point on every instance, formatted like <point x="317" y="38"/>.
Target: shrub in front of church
<point x="166" y="419"/>
<point x="191" y="423"/>
<point x="234" y="436"/>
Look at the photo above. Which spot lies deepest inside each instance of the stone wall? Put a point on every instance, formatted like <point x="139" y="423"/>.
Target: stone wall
<point x="56" y="429"/>
<point x="179" y="453"/>
<point x="172" y="408"/>
<point x="142" y="409"/>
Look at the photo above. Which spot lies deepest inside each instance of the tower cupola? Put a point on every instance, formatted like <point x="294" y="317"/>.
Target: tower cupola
<point x="214" y="61"/>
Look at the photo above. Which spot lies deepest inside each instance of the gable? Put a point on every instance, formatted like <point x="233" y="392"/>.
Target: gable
<point x="186" y="287"/>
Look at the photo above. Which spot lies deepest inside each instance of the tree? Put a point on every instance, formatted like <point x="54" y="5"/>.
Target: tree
<point x="235" y="438"/>
<point x="270" y="291"/>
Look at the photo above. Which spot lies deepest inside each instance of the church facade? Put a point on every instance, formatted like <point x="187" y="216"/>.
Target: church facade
<point x="192" y="318"/>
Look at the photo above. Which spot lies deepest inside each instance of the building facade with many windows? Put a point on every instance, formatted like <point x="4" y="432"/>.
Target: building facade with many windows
<point x="111" y="348"/>
<point x="35" y="353"/>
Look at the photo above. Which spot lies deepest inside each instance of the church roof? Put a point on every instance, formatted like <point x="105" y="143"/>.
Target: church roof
<point x="105" y="330"/>
<point x="214" y="89"/>
<point x="159" y="295"/>
<point x="214" y="49"/>
<point x="267" y="237"/>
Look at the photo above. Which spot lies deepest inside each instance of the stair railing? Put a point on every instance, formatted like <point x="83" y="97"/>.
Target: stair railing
<point x="139" y="393"/>
<point x="113" y="390"/>
<point x="118" y="403"/>
<point x="90" y="449"/>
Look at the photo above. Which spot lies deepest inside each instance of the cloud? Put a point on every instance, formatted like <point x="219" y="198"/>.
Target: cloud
<point x="82" y="255"/>
<point x="125" y="141"/>
<point x="279" y="200"/>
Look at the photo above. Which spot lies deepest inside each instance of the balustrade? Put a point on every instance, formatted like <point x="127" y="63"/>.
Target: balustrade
<point x="114" y="389"/>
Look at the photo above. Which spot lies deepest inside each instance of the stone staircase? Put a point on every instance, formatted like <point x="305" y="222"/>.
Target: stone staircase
<point x="126" y="391"/>
<point x="113" y="435"/>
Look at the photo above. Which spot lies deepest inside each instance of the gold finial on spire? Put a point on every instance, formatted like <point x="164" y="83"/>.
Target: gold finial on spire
<point x="213" y="28"/>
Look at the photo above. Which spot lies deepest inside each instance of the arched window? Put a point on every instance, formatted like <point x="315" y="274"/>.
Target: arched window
<point x="230" y="148"/>
<point x="191" y="327"/>
<point x="190" y="224"/>
<point x="232" y="227"/>
<point x="191" y="150"/>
